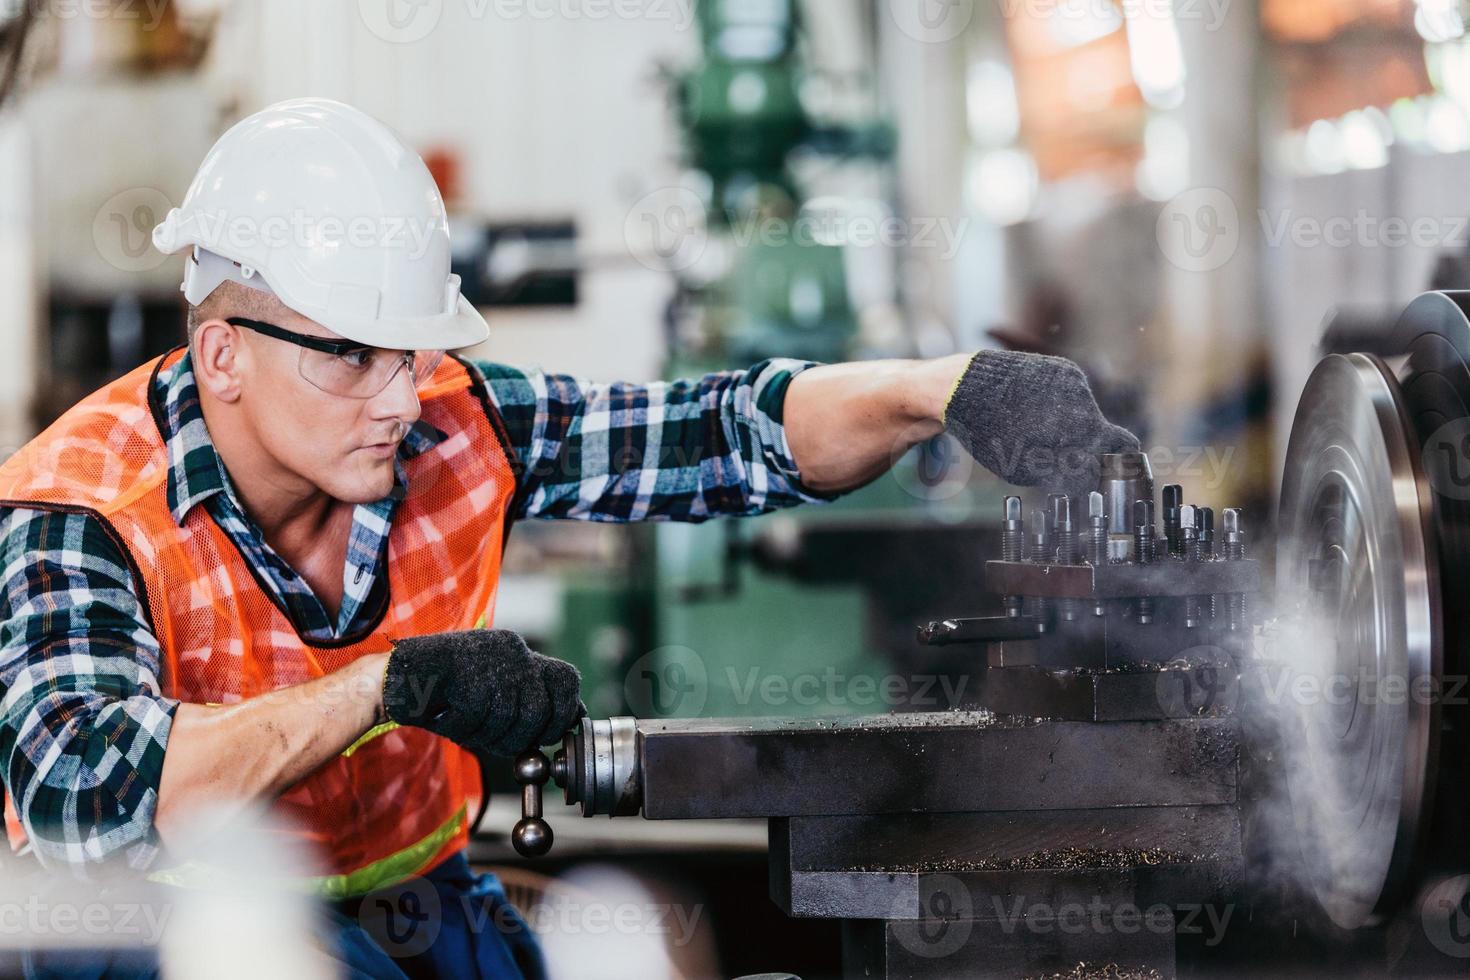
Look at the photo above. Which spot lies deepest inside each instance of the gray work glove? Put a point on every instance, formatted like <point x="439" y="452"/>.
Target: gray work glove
<point x="1031" y="420"/>
<point x="482" y="689"/>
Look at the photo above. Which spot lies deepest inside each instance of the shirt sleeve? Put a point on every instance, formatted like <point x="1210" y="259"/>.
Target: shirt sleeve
<point x="83" y="723"/>
<point x="678" y="450"/>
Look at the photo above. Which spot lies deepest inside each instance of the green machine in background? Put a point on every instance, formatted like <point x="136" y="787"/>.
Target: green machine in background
<point x="744" y="125"/>
<point x="797" y="613"/>
<point x="810" y="611"/>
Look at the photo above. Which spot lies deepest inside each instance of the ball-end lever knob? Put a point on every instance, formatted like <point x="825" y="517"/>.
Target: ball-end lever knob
<point x="532" y="835"/>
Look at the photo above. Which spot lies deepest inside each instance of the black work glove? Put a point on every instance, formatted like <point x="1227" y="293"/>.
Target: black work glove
<point x="482" y="689"/>
<point x="1031" y="420"/>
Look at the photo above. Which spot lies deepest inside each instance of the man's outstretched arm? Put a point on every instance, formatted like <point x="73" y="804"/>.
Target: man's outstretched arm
<point x="684" y="450"/>
<point x="1029" y="419"/>
<point x="786" y="432"/>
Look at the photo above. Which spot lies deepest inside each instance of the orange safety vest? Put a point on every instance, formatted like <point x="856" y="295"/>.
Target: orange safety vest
<point x="399" y="800"/>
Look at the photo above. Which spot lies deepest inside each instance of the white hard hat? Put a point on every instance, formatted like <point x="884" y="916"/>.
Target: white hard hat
<point x="336" y="216"/>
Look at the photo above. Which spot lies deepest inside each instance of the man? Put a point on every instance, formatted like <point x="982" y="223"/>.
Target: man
<point x="259" y="568"/>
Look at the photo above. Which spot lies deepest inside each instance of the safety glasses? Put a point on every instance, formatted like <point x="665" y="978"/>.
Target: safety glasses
<point x="346" y="367"/>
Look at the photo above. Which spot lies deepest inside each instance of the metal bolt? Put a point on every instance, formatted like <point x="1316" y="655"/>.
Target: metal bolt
<point x="1097" y="539"/>
<point x="1143" y="553"/>
<point x="1053" y="501"/>
<point x="1173" y="500"/>
<point x="1236" y="609"/>
<point x="1038" y="537"/>
<point x="1012" y="547"/>
<point x="1189" y="546"/>
<point x="1143" y="532"/>
<point x="1066" y="546"/>
<point x="1066" y="532"/>
<point x="1206" y="522"/>
<point x="1039" y="551"/>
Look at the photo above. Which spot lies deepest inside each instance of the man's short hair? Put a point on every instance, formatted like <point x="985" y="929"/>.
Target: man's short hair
<point x="233" y="299"/>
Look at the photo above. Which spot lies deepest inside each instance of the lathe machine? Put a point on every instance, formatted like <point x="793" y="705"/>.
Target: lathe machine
<point x="1127" y="761"/>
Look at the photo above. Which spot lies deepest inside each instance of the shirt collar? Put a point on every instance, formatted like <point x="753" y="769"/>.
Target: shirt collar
<point x="195" y="470"/>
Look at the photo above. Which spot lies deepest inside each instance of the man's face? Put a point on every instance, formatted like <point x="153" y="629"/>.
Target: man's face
<point x="343" y="446"/>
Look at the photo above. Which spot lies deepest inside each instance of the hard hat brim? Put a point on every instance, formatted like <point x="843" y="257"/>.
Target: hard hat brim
<point x="465" y="327"/>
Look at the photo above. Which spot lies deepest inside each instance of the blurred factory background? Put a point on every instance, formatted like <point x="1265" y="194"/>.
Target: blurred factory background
<point x="1176" y="193"/>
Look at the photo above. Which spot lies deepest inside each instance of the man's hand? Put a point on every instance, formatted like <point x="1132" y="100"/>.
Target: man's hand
<point x="1031" y="420"/>
<point x="483" y="689"/>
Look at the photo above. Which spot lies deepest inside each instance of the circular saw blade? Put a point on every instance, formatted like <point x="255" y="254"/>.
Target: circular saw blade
<point x="1359" y="580"/>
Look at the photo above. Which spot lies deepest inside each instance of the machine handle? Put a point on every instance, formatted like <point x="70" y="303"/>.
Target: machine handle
<point x="982" y="629"/>
<point x="532" y="834"/>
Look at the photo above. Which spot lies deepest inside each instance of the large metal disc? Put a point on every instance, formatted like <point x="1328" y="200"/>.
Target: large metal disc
<point x="1431" y="344"/>
<point x="1358" y="575"/>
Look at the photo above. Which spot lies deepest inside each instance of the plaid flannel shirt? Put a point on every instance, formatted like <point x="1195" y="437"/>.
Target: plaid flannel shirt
<point x="83" y="721"/>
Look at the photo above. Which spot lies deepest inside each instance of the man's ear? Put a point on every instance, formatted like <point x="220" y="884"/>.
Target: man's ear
<point x="217" y="355"/>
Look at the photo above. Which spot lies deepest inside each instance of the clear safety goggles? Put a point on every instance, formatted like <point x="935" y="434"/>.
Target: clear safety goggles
<point x="346" y="367"/>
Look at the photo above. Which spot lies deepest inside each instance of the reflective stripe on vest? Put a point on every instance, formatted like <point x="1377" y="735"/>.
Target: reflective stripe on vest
<point x="397" y="792"/>
<point x="413" y="859"/>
